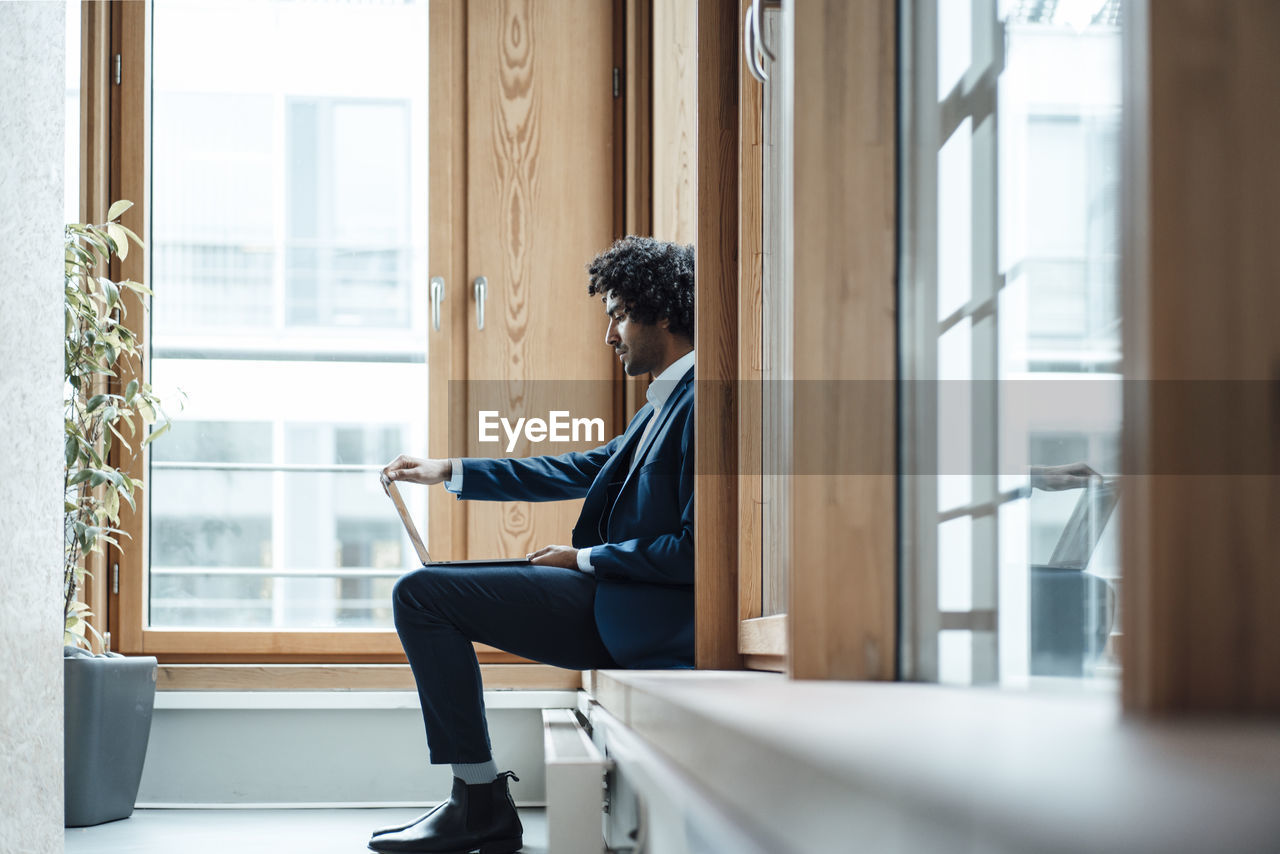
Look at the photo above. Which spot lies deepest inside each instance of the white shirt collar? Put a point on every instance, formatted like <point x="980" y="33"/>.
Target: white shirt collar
<point x="665" y="383"/>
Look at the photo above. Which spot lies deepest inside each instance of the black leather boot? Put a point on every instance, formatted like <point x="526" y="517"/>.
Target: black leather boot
<point x="475" y="818"/>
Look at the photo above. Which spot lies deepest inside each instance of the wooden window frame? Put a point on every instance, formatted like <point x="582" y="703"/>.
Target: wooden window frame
<point x="1163" y="575"/>
<point x="115" y="139"/>
<point x="841" y="621"/>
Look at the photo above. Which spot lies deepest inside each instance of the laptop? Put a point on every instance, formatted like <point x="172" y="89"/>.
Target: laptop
<point x="418" y="546"/>
<point x="1084" y="529"/>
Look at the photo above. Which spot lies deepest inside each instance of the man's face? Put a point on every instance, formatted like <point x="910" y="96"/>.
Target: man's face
<point x="638" y="345"/>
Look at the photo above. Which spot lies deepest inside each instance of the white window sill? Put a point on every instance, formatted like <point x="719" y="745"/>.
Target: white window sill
<point x="905" y="766"/>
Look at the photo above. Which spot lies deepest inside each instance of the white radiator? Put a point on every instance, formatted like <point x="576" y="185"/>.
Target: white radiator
<point x="575" y="785"/>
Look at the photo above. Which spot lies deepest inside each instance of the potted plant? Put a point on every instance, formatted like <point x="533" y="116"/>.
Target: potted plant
<point x="108" y="697"/>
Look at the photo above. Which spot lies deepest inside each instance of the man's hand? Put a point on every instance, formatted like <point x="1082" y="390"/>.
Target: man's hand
<point x="414" y="470"/>
<point x="1069" y="476"/>
<point x="565" y="557"/>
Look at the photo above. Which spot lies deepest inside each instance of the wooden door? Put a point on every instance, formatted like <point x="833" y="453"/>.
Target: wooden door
<point x="539" y="193"/>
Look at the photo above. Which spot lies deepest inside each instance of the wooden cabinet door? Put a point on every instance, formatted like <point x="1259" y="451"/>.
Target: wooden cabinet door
<point x="537" y="193"/>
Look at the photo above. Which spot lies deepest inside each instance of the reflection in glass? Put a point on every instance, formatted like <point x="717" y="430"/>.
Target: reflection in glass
<point x="1011" y="337"/>
<point x="1059" y="241"/>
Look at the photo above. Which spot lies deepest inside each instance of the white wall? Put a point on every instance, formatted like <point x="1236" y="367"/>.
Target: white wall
<point x="32" y="54"/>
<point x="310" y="749"/>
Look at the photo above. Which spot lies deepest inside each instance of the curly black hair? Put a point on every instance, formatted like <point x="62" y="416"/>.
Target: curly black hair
<point x="652" y="279"/>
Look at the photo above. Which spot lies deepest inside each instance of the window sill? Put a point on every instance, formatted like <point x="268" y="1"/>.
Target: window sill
<point x="348" y="677"/>
<point x="911" y="767"/>
<point x="242" y="700"/>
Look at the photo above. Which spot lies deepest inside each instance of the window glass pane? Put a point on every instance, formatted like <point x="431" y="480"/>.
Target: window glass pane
<point x="955" y="564"/>
<point x="288" y="231"/>
<point x="955" y="43"/>
<point x="955" y="221"/>
<point x="1018" y="329"/>
<point x="955" y="414"/>
<point x="1060" y="241"/>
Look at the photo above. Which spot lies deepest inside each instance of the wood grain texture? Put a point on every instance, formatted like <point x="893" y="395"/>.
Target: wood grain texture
<point x="639" y="117"/>
<point x="771" y="663"/>
<point x="750" y="337"/>
<point x="310" y="645"/>
<point x="763" y="636"/>
<point x="716" y="338"/>
<point x="363" y="677"/>
<point x="130" y="179"/>
<point x="639" y="188"/>
<point x="447" y="255"/>
<point x="541" y="173"/>
<point x="841" y="614"/>
<point x="675" y="119"/>
<point x="1202" y="551"/>
<point x="95" y="110"/>
<point x="95" y="184"/>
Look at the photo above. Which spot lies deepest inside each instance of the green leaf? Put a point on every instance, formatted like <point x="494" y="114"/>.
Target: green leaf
<point x="136" y="287"/>
<point x="94" y="402"/>
<point x="136" y="238"/>
<point x="115" y="431"/>
<point x="158" y="432"/>
<point x="72" y="449"/>
<point x="80" y="477"/>
<point x="130" y="390"/>
<point x="111" y="499"/>
<point x="112" y="292"/>
<point x="97" y="243"/>
<point x="118" y="208"/>
<point x="119" y="238"/>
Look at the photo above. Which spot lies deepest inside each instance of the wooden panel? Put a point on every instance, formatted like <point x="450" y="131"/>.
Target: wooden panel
<point x="675" y="119"/>
<point x="130" y="179"/>
<point x="95" y="107"/>
<point x="639" y="187"/>
<point x="639" y="122"/>
<point x="95" y="151"/>
<point x="842" y="579"/>
<point x="771" y="663"/>
<point x="1201" y="543"/>
<point x="366" y="677"/>
<point x="716" y="337"/>
<point x="750" y="331"/>
<point x="447" y="257"/>
<point x="540" y="187"/>
<point x="763" y="636"/>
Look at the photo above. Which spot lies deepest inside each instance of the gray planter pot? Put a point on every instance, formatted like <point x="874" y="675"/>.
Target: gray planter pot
<point x="107" y="716"/>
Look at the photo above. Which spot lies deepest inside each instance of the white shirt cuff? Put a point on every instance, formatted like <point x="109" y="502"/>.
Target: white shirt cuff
<point x="454" y="483"/>
<point x="584" y="561"/>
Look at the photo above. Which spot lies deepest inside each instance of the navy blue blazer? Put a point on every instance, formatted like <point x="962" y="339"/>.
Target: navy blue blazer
<point x="637" y="520"/>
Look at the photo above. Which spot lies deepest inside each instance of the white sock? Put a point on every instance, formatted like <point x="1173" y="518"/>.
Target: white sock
<point x="475" y="773"/>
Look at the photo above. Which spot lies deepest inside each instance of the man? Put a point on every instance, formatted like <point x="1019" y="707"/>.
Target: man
<point x="620" y="596"/>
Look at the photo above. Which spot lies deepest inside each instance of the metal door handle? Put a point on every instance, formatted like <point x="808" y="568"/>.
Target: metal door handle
<point x="437" y="294"/>
<point x="753" y="42"/>
<point x="482" y="290"/>
<point x="754" y="65"/>
<point x="756" y="6"/>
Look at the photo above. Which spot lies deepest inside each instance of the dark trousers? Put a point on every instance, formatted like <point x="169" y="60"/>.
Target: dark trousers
<point x="540" y="612"/>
